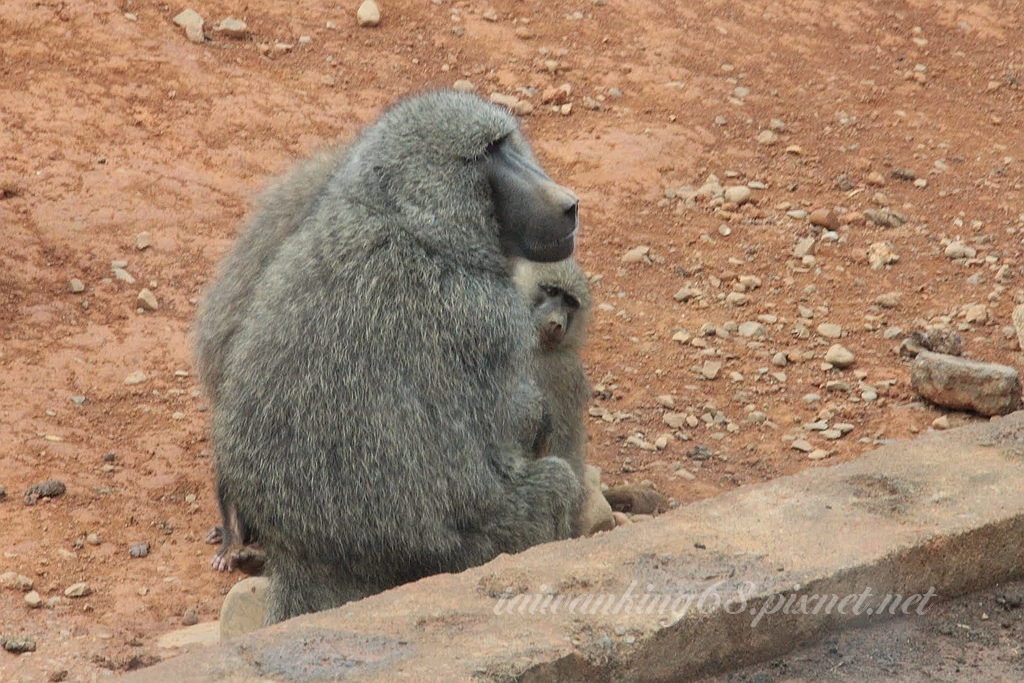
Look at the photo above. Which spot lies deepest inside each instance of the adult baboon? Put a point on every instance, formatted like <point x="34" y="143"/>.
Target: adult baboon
<point x="376" y="409"/>
<point x="282" y="210"/>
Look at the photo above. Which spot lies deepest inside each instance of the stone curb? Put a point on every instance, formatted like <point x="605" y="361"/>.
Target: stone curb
<point x="943" y="514"/>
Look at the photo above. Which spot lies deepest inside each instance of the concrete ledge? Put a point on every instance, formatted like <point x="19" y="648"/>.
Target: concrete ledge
<point x="943" y="514"/>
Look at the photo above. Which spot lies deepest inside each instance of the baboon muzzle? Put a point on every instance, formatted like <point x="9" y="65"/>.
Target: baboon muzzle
<point x="538" y="216"/>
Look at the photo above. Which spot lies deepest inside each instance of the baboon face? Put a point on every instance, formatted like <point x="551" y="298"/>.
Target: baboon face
<point x="538" y="217"/>
<point x="553" y="311"/>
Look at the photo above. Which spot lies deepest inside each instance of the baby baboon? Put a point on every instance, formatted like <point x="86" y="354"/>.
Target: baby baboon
<point x="375" y="409"/>
<point x="559" y="296"/>
<point x="283" y="208"/>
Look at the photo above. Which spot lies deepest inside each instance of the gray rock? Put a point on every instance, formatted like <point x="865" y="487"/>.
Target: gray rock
<point x="15" y="581"/>
<point x="190" y="20"/>
<point x="18" y="644"/>
<point x="78" y="590"/>
<point x="958" y="250"/>
<point x="830" y="330"/>
<point x="674" y="420"/>
<point x="52" y="488"/>
<point x="368" y="14"/>
<point x="244" y="609"/>
<point x="138" y="550"/>
<point x="752" y="329"/>
<point x="961" y="384"/>
<point x="33" y="599"/>
<point x="124" y="276"/>
<point x="76" y="286"/>
<point x="232" y="28"/>
<point x="147" y="300"/>
<point x="143" y="241"/>
<point x="711" y="369"/>
<point x="137" y="377"/>
<point x="737" y="194"/>
<point x="839" y="356"/>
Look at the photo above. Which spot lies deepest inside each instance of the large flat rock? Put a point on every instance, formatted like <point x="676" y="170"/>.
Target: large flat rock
<point x="727" y="581"/>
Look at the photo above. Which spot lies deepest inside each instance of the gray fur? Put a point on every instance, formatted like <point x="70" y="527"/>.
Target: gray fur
<point x="560" y="291"/>
<point x="283" y="207"/>
<point x="375" y="409"/>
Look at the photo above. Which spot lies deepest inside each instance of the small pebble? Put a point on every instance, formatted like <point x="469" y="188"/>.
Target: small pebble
<point x="33" y="600"/>
<point x="190" y="618"/>
<point x="802" y="445"/>
<point x="78" y="590"/>
<point x="137" y="377"/>
<point x="941" y="422"/>
<point x="51" y="488"/>
<point x="830" y="330"/>
<point x="190" y="20"/>
<point x="637" y="255"/>
<point x="76" y="286"/>
<point x="15" y="581"/>
<point x="147" y="300"/>
<point x="92" y="538"/>
<point x="232" y="28"/>
<point x="139" y="550"/>
<point x="18" y="644"/>
<point x="839" y="356"/>
<point x="368" y="14"/>
<point x="711" y="369"/>
<point x="143" y="241"/>
<point x="817" y="454"/>
<point x="737" y="194"/>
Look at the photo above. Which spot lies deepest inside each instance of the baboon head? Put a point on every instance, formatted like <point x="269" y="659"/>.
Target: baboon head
<point x="458" y="172"/>
<point x="560" y="300"/>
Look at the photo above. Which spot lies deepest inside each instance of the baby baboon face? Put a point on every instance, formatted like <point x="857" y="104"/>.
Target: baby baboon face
<point x="553" y="313"/>
<point x="538" y="217"/>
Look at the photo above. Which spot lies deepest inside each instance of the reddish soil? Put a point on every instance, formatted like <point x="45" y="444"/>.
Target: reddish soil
<point x="114" y="124"/>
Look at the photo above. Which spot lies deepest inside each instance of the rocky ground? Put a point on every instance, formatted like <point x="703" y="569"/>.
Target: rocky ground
<point x="759" y="181"/>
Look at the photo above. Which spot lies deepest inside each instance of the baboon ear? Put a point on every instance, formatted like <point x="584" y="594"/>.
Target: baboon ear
<point x="538" y="217"/>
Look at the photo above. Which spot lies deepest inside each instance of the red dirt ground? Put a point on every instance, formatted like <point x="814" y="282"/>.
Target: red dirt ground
<point x="113" y="124"/>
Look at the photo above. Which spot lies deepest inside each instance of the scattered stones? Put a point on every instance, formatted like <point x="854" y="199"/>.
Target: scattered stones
<point x="18" y="644"/>
<point x="92" y="538"/>
<point x="699" y="452"/>
<point x="190" y="618"/>
<point x="752" y="329"/>
<point x="885" y="218"/>
<point x="462" y="85"/>
<point x="123" y="275"/>
<point x="637" y="255"/>
<point x="888" y="300"/>
<point x="143" y="241"/>
<point x="941" y="422"/>
<point x="959" y="250"/>
<point x="976" y="314"/>
<point x="666" y="401"/>
<point x="512" y="103"/>
<point x="830" y="330"/>
<point x="767" y="138"/>
<point x="961" y="384"/>
<point x="839" y="356"/>
<point x="804" y="247"/>
<point x="232" y="28"/>
<point x="147" y="300"/>
<point x="139" y="550"/>
<point x="802" y="445"/>
<point x="51" y="488"/>
<point x="137" y="377"/>
<point x="368" y="14"/>
<point x="737" y="194"/>
<point x="244" y="608"/>
<point x="76" y="286"/>
<point x="1018" y="323"/>
<point x="686" y="294"/>
<point x="33" y="599"/>
<point x="880" y="255"/>
<point x="831" y="434"/>
<point x="711" y="369"/>
<point x="937" y="340"/>
<point x="780" y="359"/>
<point x="674" y="420"/>
<point x="15" y="581"/>
<point x="824" y="218"/>
<point x="818" y="454"/>
<point x="78" y="590"/>
<point x="190" y="20"/>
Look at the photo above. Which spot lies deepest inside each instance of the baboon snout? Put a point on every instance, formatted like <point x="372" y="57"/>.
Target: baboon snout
<point x="538" y="216"/>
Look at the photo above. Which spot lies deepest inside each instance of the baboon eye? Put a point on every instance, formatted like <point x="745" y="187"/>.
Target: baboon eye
<point x="550" y="291"/>
<point x="572" y="301"/>
<point x="494" y="146"/>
